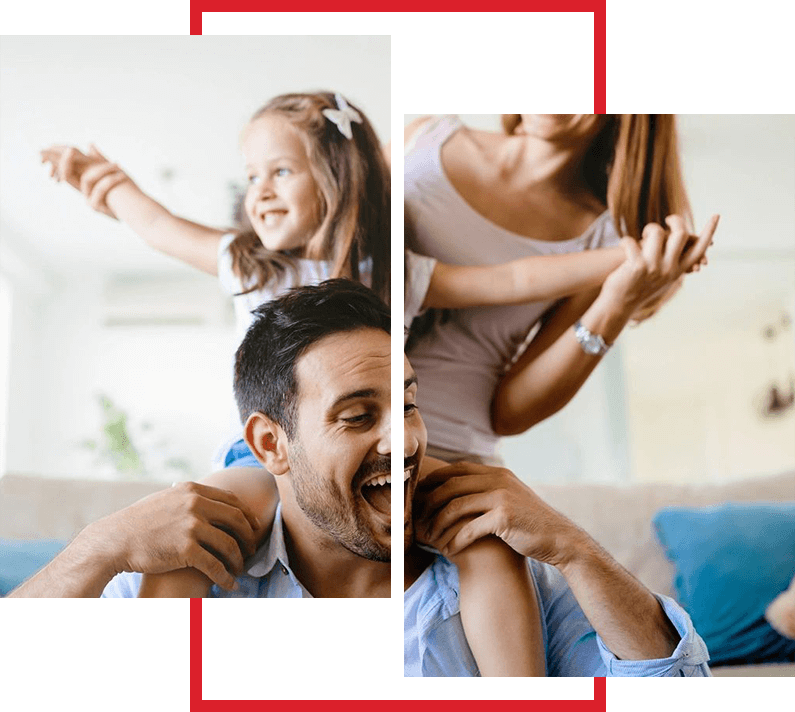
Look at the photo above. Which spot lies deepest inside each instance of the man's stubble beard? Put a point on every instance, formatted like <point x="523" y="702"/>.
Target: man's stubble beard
<point x="328" y="508"/>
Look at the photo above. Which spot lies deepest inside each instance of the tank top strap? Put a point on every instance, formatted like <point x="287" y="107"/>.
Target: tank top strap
<point x="432" y="135"/>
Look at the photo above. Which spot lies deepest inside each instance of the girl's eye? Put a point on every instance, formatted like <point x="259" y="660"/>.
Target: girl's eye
<point x="281" y="172"/>
<point x="276" y="171"/>
<point x="253" y="180"/>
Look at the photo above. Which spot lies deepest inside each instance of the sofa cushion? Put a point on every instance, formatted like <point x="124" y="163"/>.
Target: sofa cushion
<point x="731" y="560"/>
<point x="20" y="559"/>
<point x="619" y="516"/>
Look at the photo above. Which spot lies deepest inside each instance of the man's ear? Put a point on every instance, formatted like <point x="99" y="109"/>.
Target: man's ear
<point x="268" y="442"/>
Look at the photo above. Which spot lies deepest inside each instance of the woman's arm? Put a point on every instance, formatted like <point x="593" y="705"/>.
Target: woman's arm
<point x="554" y="366"/>
<point x="530" y="279"/>
<point x="256" y="489"/>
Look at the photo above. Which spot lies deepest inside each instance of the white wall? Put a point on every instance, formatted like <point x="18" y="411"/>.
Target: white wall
<point x="170" y="111"/>
<point x="176" y="378"/>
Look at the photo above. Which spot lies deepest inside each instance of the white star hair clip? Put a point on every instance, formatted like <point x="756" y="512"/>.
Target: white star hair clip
<point x="342" y="116"/>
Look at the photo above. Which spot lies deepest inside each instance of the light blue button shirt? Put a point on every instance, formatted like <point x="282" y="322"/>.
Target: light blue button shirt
<point x="268" y="574"/>
<point x="435" y="644"/>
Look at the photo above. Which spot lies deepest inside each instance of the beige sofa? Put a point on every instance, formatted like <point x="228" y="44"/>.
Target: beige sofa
<point x="38" y="514"/>
<point x="619" y="518"/>
<point x="44" y="508"/>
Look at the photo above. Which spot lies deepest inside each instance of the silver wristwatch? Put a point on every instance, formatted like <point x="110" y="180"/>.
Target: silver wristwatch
<point x="591" y="343"/>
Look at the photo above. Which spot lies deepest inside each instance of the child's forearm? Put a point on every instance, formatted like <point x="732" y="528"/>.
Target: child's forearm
<point x="530" y="279"/>
<point x="499" y="610"/>
<point x="188" y="241"/>
<point x="255" y="487"/>
<point x="137" y="210"/>
<point x="185" y="583"/>
<point x="551" y="277"/>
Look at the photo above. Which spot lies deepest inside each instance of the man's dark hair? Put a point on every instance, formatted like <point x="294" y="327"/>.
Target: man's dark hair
<point x="286" y="327"/>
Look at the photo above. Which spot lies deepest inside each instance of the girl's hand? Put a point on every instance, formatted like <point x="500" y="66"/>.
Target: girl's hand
<point x="92" y="174"/>
<point x="653" y="267"/>
<point x="466" y="502"/>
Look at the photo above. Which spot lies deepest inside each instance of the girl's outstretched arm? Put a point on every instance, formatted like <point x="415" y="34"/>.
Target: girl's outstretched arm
<point x="110" y="191"/>
<point x="255" y="487"/>
<point x="529" y="279"/>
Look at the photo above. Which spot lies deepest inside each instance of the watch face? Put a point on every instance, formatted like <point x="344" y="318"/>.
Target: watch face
<point x="591" y="343"/>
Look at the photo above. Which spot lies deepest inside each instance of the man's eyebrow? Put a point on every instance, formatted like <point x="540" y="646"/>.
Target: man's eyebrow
<point x="354" y="395"/>
<point x="409" y="381"/>
<point x="273" y="160"/>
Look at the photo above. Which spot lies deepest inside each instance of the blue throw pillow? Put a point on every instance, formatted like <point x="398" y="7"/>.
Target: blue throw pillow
<point x="20" y="559"/>
<point x="731" y="561"/>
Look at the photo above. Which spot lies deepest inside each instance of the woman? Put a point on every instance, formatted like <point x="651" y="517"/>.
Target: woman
<point x="548" y="184"/>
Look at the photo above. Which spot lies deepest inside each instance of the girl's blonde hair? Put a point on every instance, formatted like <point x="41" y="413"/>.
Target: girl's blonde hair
<point x="633" y="167"/>
<point x="353" y="180"/>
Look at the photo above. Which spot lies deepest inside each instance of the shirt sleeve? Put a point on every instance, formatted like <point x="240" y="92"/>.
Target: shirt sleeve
<point x="575" y="649"/>
<point x="124" y="585"/>
<point x="689" y="659"/>
<point x="419" y="270"/>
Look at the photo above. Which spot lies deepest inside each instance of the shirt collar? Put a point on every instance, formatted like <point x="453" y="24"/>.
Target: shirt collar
<point x="437" y="590"/>
<point x="272" y="552"/>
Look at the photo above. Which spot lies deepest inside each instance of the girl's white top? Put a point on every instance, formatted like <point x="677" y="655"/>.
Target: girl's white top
<point x="419" y="270"/>
<point x="460" y="363"/>
<point x="307" y="272"/>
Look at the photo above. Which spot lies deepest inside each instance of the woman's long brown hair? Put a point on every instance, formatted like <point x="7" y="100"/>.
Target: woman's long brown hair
<point x="633" y="167"/>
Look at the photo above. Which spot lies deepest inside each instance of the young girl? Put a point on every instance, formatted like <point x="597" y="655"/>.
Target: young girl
<point x="498" y="605"/>
<point x="317" y="206"/>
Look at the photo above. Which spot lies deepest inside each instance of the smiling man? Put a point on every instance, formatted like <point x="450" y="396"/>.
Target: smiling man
<point x="595" y="618"/>
<point x="343" y="429"/>
<point x="312" y="382"/>
<point x="312" y="385"/>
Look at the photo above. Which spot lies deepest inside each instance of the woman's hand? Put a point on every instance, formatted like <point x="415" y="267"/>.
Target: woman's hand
<point x="654" y="266"/>
<point x="92" y="174"/>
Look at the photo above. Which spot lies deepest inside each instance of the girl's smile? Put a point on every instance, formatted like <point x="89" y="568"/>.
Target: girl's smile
<point x="282" y="201"/>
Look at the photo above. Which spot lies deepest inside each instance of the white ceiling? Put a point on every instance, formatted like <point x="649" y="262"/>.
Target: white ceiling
<point x="159" y="106"/>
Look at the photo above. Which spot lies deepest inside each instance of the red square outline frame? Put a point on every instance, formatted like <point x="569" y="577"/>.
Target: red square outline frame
<point x="197" y="704"/>
<point x="597" y="7"/>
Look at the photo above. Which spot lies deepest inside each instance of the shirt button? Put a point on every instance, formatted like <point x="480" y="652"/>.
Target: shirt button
<point x="284" y="569"/>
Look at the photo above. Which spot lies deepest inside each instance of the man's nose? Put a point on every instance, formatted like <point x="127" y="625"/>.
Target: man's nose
<point x="385" y="437"/>
<point x="411" y="442"/>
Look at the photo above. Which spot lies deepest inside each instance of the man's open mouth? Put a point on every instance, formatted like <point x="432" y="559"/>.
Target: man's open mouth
<point x="377" y="492"/>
